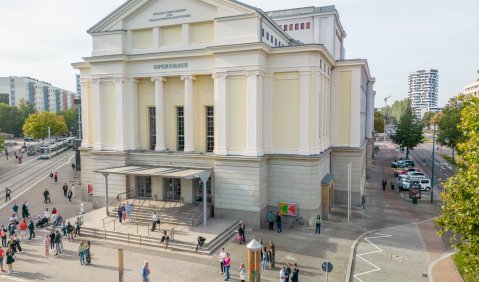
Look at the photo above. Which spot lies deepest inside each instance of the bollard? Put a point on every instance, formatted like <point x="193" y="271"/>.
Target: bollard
<point x="120" y="264"/>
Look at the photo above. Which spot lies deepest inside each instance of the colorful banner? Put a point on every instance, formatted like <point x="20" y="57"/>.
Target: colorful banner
<point x="289" y="209"/>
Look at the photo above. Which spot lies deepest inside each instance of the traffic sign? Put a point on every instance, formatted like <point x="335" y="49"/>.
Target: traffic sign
<point x="327" y="266"/>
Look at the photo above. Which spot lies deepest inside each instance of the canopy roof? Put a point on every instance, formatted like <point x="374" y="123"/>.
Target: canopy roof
<point x="173" y="172"/>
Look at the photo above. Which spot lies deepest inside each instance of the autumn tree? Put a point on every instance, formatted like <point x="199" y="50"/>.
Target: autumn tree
<point x="409" y="131"/>
<point x="378" y="122"/>
<point x="460" y="209"/>
<point x="36" y="125"/>
<point x="427" y="117"/>
<point x="70" y="117"/>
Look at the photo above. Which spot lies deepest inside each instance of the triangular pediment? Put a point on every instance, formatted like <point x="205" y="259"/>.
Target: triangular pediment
<point x="137" y="14"/>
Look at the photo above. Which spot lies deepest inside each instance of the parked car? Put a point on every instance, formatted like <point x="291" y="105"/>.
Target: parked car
<point x="398" y="171"/>
<point x="416" y="174"/>
<point x="402" y="163"/>
<point x="400" y="181"/>
<point x="425" y="184"/>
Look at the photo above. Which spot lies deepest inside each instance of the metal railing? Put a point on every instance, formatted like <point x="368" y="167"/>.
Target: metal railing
<point x="197" y="215"/>
<point x="118" y="199"/>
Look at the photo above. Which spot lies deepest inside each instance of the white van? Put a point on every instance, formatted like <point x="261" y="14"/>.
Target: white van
<point x="425" y="184"/>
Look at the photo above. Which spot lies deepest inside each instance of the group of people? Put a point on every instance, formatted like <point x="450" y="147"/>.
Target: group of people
<point x="124" y="212"/>
<point x="272" y="219"/>
<point x="54" y="241"/>
<point x="69" y="193"/>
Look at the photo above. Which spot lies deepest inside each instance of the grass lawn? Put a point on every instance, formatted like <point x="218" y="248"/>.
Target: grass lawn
<point x="459" y="261"/>
<point x="449" y="159"/>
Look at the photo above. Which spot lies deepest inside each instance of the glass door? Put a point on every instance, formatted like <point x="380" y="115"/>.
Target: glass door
<point x="172" y="189"/>
<point x="198" y="190"/>
<point x="143" y="186"/>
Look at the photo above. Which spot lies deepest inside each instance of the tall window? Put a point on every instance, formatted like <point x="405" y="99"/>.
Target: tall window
<point x="302" y="25"/>
<point x="296" y="26"/>
<point x="308" y="25"/>
<point x="180" y="121"/>
<point x="290" y="26"/>
<point x="152" y="117"/>
<point x="210" y="129"/>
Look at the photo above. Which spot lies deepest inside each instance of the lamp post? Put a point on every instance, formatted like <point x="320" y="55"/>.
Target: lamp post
<point x="433" y="163"/>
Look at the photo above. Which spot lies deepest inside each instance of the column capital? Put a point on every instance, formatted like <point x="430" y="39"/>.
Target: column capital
<point x="118" y="79"/>
<point x="158" y="78"/>
<point x="220" y="75"/>
<point x="188" y="77"/>
<point x="96" y="80"/>
<point x="255" y="73"/>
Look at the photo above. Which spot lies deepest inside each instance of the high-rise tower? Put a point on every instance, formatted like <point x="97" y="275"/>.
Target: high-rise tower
<point x="423" y="90"/>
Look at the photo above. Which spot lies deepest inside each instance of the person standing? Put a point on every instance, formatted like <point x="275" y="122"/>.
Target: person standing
<point x="10" y="259"/>
<point x="128" y="211"/>
<point x="295" y="275"/>
<point x="240" y="234"/>
<point x="46" y="196"/>
<point x="8" y="192"/>
<point x="222" y="256"/>
<point x="272" y="252"/>
<point x="123" y="213"/>
<point x="120" y="212"/>
<point x="55" y="177"/>
<point x="270" y="220"/>
<point x="282" y="274"/>
<point x="31" y="228"/>
<point x="392" y="184"/>
<point x="2" y="254"/>
<point x="24" y="211"/>
<point x="81" y="252"/>
<point x="3" y="235"/>
<point x="145" y="272"/>
<point x="318" y="224"/>
<point x="73" y="190"/>
<point x="242" y="273"/>
<point x="70" y="232"/>
<point x="23" y="228"/>
<point x="70" y="195"/>
<point x="264" y="262"/>
<point x="52" y="240"/>
<point x="288" y="271"/>
<point x="51" y="177"/>
<point x="243" y="227"/>
<point x="227" y="267"/>
<point x="278" y="222"/>
<point x="384" y="183"/>
<point x="65" y="189"/>
<point x="64" y="229"/>
<point x="58" y="239"/>
<point x="15" y="209"/>
<point x="46" y="244"/>
<point x="87" y="253"/>
<point x="78" y="225"/>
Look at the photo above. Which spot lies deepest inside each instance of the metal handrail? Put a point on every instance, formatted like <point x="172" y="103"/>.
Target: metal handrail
<point x="197" y="215"/>
<point x="138" y="209"/>
<point x="117" y="198"/>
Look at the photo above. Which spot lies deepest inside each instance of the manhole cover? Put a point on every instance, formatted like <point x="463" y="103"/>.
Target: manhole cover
<point x="397" y="258"/>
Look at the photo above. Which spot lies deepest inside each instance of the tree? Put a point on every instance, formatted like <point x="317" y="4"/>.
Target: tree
<point x="12" y="118"/>
<point x="427" y="117"/>
<point x="436" y="118"/>
<point x="449" y="132"/>
<point x="396" y="111"/>
<point x="36" y="125"/>
<point x="460" y="209"/>
<point x="70" y="117"/>
<point x="378" y="122"/>
<point x="409" y="131"/>
<point x="2" y="143"/>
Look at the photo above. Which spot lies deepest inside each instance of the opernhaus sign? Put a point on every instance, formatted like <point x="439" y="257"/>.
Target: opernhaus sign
<point x="170" y="66"/>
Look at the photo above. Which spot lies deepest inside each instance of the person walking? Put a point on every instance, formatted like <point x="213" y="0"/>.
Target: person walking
<point x="318" y="224"/>
<point x="58" y="221"/>
<point x="155" y="218"/>
<point x="70" y="195"/>
<point x="270" y="220"/>
<point x="392" y="184"/>
<point x="8" y="193"/>
<point x="25" y="212"/>
<point x="78" y="225"/>
<point x="278" y="222"/>
<point x="52" y="239"/>
<point x="222" y="256"/>
<point x="46" y="196"/>
<point x="227" y="267"/>
<point x="120" y="212"/>
<point x="70" y="232"/>
<point x="16" y="243"/>
<point x="58" y="240"/>
<point x="384" y="183"/>
<point x="264" y="262"/>
<point x="51" y="177"/>
<point x="2" y="254"/>
<point x="272" y="251"/>
<point x="242" y="273"/>
<point x="145" y="272"/>
<point x="10" y="259"/>
<point x="295" y="274"/>
<point x="65" y="189"/>
<point x="55" y="177"/>
<point x="3" y="235"/>
<point x="81" y="252"/>
<point x="64" y="229"/>
<point x="282" y="274"/>
<point x="240" y="234"/>
<point x="31" y="228"/>
<point x="15" y="209"/>
<point x="23" y="228"/>
<point x="243" y="227"/>
<point x="128" y="211"/>
<point x="46" y="244"/>
<point x="123" y="213"/>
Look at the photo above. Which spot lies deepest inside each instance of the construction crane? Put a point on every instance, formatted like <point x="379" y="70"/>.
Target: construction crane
<point x="384" y="112"/>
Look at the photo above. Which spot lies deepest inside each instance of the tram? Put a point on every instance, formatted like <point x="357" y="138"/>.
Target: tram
<point x="53" y="149"/>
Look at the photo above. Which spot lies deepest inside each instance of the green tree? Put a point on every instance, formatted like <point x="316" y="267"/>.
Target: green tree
<point x="36" y="125"/>
<point x="427" y="117"/>
<point x="12" y="118"/>
<point x="2" y="143"/>
<point x="396" y="111"/>
<point x="460" y="209"/>
<point x="70" y="117"/>
<point x="378" y="122"/>
<point x="409" y="131"/>
<point x="449" y="132"/>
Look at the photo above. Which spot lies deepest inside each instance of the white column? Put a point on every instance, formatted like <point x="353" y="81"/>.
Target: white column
<point x="268" y="113"/>
<point x="304" y="88"/>
<point x="323" y="113"/>
<point x="189" y="113"/>
<point x="160" y="113"/>
<point x="84" y="115"/>
<point x="97" y="115"/>
<point x="254" y="113"/>
<point x="120" y="114"/>
<point x="132" y="125"/>
<point x="221" y="118"/>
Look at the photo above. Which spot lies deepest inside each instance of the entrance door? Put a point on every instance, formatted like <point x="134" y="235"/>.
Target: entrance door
<point x="172" y="189"/>
<point x="143" y="186"/>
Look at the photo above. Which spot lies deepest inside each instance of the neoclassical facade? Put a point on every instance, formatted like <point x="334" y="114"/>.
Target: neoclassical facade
<point x="173" y="88"/>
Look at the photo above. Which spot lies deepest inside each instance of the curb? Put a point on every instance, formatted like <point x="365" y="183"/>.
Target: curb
<point x="434" y="262"/>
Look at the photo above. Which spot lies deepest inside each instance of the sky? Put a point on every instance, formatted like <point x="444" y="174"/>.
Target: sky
<point x="41" y="39"/>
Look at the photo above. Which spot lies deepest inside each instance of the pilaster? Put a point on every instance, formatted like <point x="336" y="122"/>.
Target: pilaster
<point x="120" y="114"/>
<point x="84" y="115"/>
<point x="160" y="113"/>
<point x="97" y="115"/>
<point x="189" y="113"/>
<point x="132" y="125"/>
<point x="221" y="118"/>
<point x="304" y="120"/>
<point x="254" y="113"/>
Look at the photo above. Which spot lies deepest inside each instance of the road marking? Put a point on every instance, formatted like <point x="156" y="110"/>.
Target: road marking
<point x="378" y="250"/>
<point x="21" y="193"/>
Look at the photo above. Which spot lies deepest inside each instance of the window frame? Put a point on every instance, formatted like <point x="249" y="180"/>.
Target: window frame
<point x="180" y="128"/>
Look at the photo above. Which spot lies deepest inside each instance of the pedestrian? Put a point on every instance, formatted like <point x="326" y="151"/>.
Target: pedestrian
<point x="81" y="252"/>
<point x="46" y="244"/>
<point x="55" y="177"/>
<point x="165" y="238"/>
<point x="288" y="271"/>
<point x="8" y="192"/>
<point x="23" y="228"/>
<point x="15" y="209"/>
<point x="123" y="213"/>
<point x="46" y="215"/>
<point x="73" y="190"/>
<point x="278" y="222"/>
<point x="16" y="243"/>
<point x="270" y="220"/>
<point x="145" y="272"/>
<point x="58" y="241"/>
<point x="243" y="227"/>
<point x="10" y="260"/>
<point x="46" y="196"/>
<point x="3" y="235"/>
<point x="11" y="228"/>
<point x="65" y="189"/>
<point x="70" y="195"/>
<point x="264" y="262"/>
<point x="58" y="221"/>
<point x="201" y="241"/>
<point x="242" y="273"/>
<point x="155" y="218"/>
<point x="295" y="274"/>
<point x="240" y="234"/>
<point x="120" y="213"/>
<point x="52" y="239"/>
<point x="31" y="228"/>
<point x="318" y="224"/>
<point x="87" y="253"/>
<point x="272" y="251"/>
<point x="128" y="211"/>
<point x="384" y="183"/>
<point x="2" y="254"/>
<point x="51" y="177"/>
<point x="64" y="229"/>
<point x="70" y="232"/>
<point x="24" y="211"/>
<point x="392" y="184"/>
<point x="78" y="225"/>
<point x="282" y="274"/>
<point x="227" y="267"/>
<point x="222" y="256"/>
